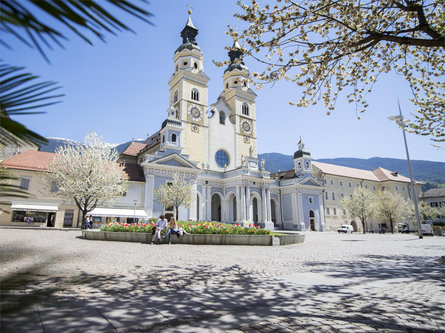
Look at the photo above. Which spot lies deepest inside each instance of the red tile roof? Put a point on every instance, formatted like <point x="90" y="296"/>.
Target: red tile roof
<point x="38" y="161"/>
<point x="134" y="148"/>
<point x="386" y="175"/>
<point x="134" y="172"/>
<point x="29" y="160"/>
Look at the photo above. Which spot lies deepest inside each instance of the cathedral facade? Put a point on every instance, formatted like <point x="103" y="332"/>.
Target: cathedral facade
<point x="214" y="146"/>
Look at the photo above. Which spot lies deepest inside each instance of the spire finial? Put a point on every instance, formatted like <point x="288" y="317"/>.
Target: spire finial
<point x="190" y="8"/>
<point x="301" y="144"/>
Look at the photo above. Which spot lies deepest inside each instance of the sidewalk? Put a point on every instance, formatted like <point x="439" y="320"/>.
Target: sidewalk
<point x="233" y="302"/>
<point x="58" y="282"/>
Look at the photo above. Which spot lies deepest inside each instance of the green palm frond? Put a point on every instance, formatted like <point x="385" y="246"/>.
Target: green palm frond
<point x="19" y="19"/>
<point x="20" y="94"/>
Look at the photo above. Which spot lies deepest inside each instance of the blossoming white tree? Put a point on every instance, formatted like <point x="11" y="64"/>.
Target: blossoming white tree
<point x="360" y="205"/>
<point x="426" y="212"/>
<point x="391" y="207"/>
<point x="177" y="193"/>
<point x="89" y="174"/>
<point x="329" y="47"/>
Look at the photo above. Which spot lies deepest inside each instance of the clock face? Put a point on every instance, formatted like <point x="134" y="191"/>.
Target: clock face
<point x="246" y="127"/>
<point x="195" y="113"/>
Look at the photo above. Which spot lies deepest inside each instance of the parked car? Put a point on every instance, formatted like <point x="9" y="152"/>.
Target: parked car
<point x="427" y="229"/>
<point x="403" y="228"/>
<point x="346" y="228"/>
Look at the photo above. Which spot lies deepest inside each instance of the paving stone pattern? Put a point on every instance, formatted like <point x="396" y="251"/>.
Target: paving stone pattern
<point x="54" y="281"/>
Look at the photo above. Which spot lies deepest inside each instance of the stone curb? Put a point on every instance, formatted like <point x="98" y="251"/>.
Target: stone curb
<point x="203" y="239"/>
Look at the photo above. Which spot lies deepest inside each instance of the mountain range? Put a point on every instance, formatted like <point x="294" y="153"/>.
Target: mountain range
<point x="429" y="172"/>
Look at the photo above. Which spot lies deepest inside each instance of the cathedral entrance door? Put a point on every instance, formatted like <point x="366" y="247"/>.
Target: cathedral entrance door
<point x="255" y="210"/>
<point x="312" y="220"/>
<point x="216" y="208"/>
<point x="273" y="210"/>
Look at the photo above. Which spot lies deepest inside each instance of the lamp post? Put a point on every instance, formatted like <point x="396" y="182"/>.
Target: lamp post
<point x="134" y="211"/>
<point x="399" y="120"/>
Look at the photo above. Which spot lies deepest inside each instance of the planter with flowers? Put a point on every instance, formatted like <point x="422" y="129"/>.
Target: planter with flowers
<point x="210" y="233"/>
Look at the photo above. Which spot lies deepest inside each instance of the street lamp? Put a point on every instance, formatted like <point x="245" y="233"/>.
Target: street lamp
<point x="134" y="211"/>
<point x="399" y="120"/>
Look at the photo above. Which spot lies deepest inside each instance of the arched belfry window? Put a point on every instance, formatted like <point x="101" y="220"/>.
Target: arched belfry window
<point x="245" y="109"/>
<point x="222" y="117"/>
<point x="195" y="65"/>
<point x="195" y="94"/>
<point x="175" y="97"/>
<point x="173" y="137"/>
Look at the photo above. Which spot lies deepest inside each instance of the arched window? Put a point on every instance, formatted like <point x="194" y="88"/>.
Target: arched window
<point x="175" y="97"/>
<point x="173" y="137"/>
<point x="222" y="117"/>
<point x="245" y="109"/>
<point x="195" y="94"/>
<point x="195" y="65"/>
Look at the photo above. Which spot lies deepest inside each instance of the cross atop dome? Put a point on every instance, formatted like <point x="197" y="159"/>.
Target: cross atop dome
<point x="190" y="8"/>
<point x="189" y="32"/>
<point x="300" y="144"/>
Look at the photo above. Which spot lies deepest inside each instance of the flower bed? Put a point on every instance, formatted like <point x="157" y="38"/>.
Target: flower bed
<point x="205" y="233"/>
<point x="202" y="239"/>
<point x="214" y="228"/>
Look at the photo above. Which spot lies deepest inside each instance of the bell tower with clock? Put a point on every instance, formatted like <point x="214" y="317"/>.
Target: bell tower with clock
<point x="241" y="98"/>
<point x="189" y="94"/>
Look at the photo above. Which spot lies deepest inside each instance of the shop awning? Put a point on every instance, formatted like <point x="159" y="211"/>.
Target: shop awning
<point x="35" y="208"/>
<point x="115" y="212"/>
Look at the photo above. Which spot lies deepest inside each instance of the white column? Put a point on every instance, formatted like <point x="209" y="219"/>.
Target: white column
<point x="149" y="189"/>
<point x="264" y="204"/>
<point x="300" y="211"/>
<point x="248" y="204"/>
<point x="243" y="204"/>
<point x="224" y="212"/>
<point x="321" y="209"/>
<point x="269" y="207"/>
<point x="295" y="219"/>
<point x="238" y="204"/>
<point x="193" y="206"/>
<point x="209" y="203"/>
<point x="204" y="203"/>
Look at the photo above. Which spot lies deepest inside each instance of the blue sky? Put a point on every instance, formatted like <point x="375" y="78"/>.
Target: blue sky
<point x="120" y="90"/>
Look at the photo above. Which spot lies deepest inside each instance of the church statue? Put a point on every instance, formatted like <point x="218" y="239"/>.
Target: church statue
<point x="263" y="163"/>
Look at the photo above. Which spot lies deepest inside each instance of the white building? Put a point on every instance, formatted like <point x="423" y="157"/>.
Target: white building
<point x="214" y="146"/>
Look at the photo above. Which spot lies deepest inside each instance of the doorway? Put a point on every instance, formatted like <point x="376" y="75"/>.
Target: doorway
<point x="216" y="208"/>
<point x="312" y="220"/>
<point x="255" y="210"/>
<point x="50" y="222"/>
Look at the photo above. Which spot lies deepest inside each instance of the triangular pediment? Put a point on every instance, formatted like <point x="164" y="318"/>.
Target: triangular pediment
<point x="174" y="160"/>
<point x="310" y="182"/>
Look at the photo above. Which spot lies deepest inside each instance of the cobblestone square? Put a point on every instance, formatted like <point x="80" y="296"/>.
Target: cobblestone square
<point x="54" y="281"/>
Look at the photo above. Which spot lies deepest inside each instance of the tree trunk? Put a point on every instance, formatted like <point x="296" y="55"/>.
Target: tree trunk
<point x="177" y="212"/>
<point x="391" y="224"/>
<point x="364" y="227"/>
<point x="83" y="225"/>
